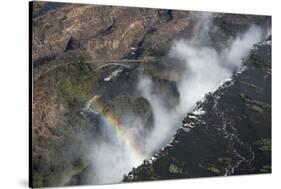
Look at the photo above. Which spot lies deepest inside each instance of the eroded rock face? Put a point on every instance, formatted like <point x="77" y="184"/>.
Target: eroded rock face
<point x="105" y="32"/>
<point x="67" y="36"/>
<point x="228" y="133"/>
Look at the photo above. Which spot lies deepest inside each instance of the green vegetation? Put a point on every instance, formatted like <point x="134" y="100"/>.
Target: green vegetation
<point x="75" y="83"/>
<point x="78" y="164"/>
<point x="44" y="142"/>
<point x="213" y="169"/>
<point x="255" y="105"/>
<point x="266" y="169"/>
<point x="148" y="58"/>
<point x="175" y="169"/>
<point x="255" y="108"/>
<point x="210" y="167"/>
<point x="257" y="89"/>
<point x="263" y="144"/>
<point x="57" y="155"/>
<point x="37" y="180"/>
<point x="224" y="160"/>
<point x="125" y="105"/>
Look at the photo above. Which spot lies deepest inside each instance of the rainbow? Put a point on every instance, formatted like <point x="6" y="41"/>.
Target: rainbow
<point x="113" y="121"/>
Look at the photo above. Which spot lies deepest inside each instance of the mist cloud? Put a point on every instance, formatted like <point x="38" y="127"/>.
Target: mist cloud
<point x="204" y="69"/>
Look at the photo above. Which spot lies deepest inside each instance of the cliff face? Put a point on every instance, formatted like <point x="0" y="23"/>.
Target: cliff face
<point x="66" y="37"/>
<point x="104" y="31"/>
<point x="107" y="32"/>
<point x="228" y="133"/>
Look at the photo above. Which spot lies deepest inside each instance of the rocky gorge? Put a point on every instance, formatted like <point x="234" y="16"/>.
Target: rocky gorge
<point x="114" y="97"/>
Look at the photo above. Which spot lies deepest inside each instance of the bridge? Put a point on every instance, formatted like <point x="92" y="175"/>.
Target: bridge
<point x="112" y="64"/>
<point x="126" y="63"/>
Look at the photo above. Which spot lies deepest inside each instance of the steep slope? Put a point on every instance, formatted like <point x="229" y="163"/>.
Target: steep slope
<point x="228" y="133"/>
